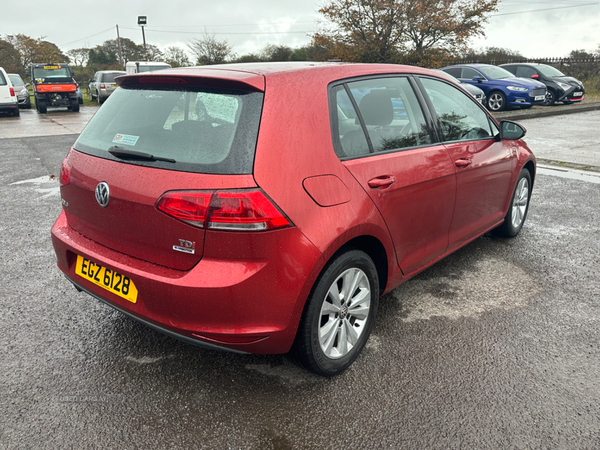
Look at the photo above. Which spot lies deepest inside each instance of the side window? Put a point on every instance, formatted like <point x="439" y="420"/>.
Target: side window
<point x="460" y="117"/>
<point x="454" y="71"/>
<point x="468" y="74"/>
<point x="2" y="80"/>
<point x="388" y="109"/>
<point x="525" y="72"/>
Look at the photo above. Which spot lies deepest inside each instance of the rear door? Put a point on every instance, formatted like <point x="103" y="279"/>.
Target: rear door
<point x="383" y="137"/>
<point x="483" y="165"/>
<point x="5" y="96"/>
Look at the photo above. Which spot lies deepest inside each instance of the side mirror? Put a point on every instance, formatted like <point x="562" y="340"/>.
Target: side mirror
<point x="511" y="130"/>
<point x="477" y="78"/>
<point x="535" y="76"/>
<point x="91" y="80"/>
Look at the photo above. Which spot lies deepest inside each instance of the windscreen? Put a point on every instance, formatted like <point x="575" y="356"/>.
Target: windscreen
<point x="16" y="80"/>
<point x="549" y="71"/>
<point x="496" y="73"/>
<point x="210" y="131"/>
<point x="51" y="72"/>
<point x="110" y="77"/>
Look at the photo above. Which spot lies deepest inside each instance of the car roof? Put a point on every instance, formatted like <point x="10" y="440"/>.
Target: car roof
<point x="255" y="74"/>
<point x="524" y="64"/>
<point x="475" y="66"/>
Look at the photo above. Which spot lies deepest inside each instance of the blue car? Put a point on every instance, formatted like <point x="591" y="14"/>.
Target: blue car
<point x="502" y="89"/>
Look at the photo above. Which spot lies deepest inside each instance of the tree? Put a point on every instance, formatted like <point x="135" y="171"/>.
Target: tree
<point x="10" y="58"/>
<point x="273" y="52"/>
<point x="365" y="30"/>
<point x="210" y="50"/>
<point x="79" y="56"/>
<point x="99" y="58"/>
<point x="130" y="51"/>
<point x="176" y="57"/>
<point x="36" y="50"/>
<point x="415" y="31"/>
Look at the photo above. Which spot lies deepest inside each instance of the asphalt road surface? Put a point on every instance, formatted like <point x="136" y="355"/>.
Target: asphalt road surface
<point x="495" y="347"/>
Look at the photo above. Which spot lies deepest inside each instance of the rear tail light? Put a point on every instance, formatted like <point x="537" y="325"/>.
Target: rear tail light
<point x="12" y="92"/>
<point x="64" y="177"/>
<point x="230" y="210"/>
<point x="102" y="86"/>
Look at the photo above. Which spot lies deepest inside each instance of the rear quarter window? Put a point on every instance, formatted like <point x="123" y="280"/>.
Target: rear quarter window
<point x="206" y="130"/>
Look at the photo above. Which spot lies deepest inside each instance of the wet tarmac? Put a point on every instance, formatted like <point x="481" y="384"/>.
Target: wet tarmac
<point x="497" y="346"/>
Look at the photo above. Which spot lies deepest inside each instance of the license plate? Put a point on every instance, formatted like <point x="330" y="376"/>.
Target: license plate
<point x="577" y="94"/>
<point x="539" y="97"/>
<point x="114" y="85"/>
<point x="105" y="278"/>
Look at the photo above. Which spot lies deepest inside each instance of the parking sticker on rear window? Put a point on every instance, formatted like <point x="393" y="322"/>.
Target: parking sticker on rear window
<point x="125" y="139"/>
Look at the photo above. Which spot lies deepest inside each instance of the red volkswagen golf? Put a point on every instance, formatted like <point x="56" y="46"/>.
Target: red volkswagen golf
<point x="265" y="208"/>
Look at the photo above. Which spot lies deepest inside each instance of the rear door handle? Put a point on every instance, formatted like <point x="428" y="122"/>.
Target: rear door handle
<point x="382" y="181"/>
<point x="462" y="162"/>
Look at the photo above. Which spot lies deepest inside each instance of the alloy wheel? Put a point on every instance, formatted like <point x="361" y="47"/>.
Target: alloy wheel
<point x="344" y="313"/>
<point x="519" y="204"/>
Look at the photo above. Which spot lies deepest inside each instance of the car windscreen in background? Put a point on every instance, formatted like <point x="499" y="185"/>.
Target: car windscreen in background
<point x="210" y="131"/>
<point x="110" y="77"/>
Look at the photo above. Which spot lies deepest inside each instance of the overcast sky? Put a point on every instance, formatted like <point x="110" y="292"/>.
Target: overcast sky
<point x="551" y="28"/>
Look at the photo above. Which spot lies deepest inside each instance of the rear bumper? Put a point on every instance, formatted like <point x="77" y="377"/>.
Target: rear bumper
<point x="8" y="106"/>
<point x="239" y="305"/>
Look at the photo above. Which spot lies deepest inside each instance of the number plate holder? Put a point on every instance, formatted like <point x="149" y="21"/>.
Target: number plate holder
<point x="107" y="279"/>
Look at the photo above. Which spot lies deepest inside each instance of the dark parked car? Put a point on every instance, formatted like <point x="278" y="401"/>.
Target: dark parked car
<point x="560" y="88"/>
<point x="502" y="89"/>
<point x="20" y="90"/>
<point x="198" y="202"/>
<point x="473" y="90"/>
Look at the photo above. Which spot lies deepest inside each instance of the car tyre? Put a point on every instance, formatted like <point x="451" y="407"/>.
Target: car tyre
<point x="550" y="97"/>
<point x="518" y="207"/>
<point x="496" y="101"/>
<point x="16" y="112"/>
<point x="100" y="100"/>
<point x="339" y="315"/>
<point x="41" y="106"/>
<point x="75" y="105"/>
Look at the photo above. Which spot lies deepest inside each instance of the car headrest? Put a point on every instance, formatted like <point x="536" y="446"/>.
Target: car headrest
<point x="376" y="108"/>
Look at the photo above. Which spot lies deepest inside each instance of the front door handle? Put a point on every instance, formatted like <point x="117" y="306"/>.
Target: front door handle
<point x="463" y="162"/>
<point x="382" y="181"/>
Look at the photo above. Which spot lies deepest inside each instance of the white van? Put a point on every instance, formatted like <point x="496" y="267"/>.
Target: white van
<point x="145" y="66"/>
<point x="8" y="97"/>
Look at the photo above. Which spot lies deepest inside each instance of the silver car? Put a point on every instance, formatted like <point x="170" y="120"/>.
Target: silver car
<point x="103" y="84"/>
<point x="20" y="90"/>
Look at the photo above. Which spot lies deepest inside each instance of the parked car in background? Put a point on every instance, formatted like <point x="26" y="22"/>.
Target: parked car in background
<point x="8" y="97"/>
<point x="145" y="66"/>
<point x="502" y="89"/>
<point x="560" y="88"/>
<point x="199" y="203"/>
<point x="103" y="84"/>
<point x="473" y="90"/>
<point x="20" y="90"/>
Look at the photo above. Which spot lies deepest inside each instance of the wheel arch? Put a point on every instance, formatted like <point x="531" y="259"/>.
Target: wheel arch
<point x="372" y="247"/>
<point x="531" y="168"/>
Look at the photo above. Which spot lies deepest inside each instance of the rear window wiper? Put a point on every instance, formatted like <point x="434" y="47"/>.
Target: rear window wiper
<point x="124" y="153"/>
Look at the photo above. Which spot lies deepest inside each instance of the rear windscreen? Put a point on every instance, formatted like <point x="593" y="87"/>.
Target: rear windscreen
<point x="205" y="130"/>
<point x="110" y="77"/>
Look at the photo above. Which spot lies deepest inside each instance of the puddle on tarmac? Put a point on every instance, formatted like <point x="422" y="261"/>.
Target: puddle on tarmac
<point x="46" y="185"/>
<point x="491" y="284"/>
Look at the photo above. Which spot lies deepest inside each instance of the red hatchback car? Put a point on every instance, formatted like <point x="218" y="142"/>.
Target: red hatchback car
<point x="265" y="208"/>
